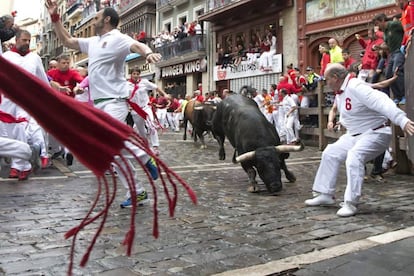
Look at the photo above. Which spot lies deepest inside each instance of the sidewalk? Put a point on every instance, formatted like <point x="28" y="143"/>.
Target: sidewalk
<point x="382" y="255"/>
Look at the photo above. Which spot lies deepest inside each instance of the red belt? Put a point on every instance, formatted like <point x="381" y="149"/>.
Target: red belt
<point x="376" y="128"/>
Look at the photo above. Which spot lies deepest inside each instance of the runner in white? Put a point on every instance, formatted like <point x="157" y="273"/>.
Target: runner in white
<point x="108" y="88"/>
<point x="139" y="89"/>
<point x="364" y="112"/>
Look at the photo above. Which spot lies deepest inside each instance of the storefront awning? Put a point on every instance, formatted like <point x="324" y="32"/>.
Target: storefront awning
<point x="132" y="56"/>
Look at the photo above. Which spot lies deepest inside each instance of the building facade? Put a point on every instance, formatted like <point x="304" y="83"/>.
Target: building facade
<point x="183" y="68"/>
<point x="138" y="19"/>
<point x="246" y="22"/>
<point x="341" y="19"/>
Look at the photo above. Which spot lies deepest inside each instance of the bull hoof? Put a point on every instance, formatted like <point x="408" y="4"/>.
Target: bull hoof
<point x="292" y="179"/>
<point x="253" y="189"/>
<point x="203" y="147"/>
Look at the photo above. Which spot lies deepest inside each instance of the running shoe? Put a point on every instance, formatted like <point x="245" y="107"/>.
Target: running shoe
<point x="142" y="198"/>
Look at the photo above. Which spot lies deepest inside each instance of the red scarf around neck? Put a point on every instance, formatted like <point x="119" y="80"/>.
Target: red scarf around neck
<point x="14" y="49"/>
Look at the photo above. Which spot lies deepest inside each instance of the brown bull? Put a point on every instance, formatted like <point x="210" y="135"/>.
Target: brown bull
<point x="200" y="116"/>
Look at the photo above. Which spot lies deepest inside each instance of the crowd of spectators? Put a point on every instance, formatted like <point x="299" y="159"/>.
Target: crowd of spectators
<point x="260" y="49"/>
<point x="179" y="32"/>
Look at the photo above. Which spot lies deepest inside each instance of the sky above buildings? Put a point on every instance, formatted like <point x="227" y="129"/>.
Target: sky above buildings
<point x="27" y="9"/>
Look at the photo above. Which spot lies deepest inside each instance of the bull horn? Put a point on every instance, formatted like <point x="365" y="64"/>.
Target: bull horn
<point x="289" y="148"/>
<point x="198" y="107"/>
<point x="245" y="156"/>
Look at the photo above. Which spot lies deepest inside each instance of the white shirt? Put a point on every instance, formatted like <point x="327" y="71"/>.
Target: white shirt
<point x="31" y="62"/>
<point x="259" y="100"/>
<point x="198" y="30"/>
<point x="362" y="108"/>
<point x="287" y="104"/>
<point x="107" y="55"/>
<point x="273" y="45"/>
<point x="140" y="96"/>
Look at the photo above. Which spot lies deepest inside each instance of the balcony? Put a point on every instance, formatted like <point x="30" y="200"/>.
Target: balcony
<point x="166" y="5"/>
<point x="188" y="46"/>
<point x="125" y="5"/>
<point x="214" y="4"/>
<point x="57" y="51"/>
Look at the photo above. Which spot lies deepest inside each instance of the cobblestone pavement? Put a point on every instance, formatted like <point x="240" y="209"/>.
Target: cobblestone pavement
<point x="228" y="229"/>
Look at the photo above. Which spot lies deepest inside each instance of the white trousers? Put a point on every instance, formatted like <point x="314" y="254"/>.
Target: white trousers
<point x="290" y="124"/>
<point x="266" y="59"/>
<point x="14" y="149"/>
<point x="119" y="110"/>
<point x="162" y="116"/>
<point x="17" y="132"/>
<point x="355" y="151"/>
<point x="173" y="119"/>
<point x="146" y="131"/>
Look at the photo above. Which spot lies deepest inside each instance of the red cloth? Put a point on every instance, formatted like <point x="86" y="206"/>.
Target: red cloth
<point x="370" y="59"/>
<point x="67" y="78"/>
<point x="10" y="119"/>
<point x="95" y="138"/>
<point x="133" y="105"/>
<point x="349" y="62"/>
<point x="325" y="60"/>
<point x="290" y="88"/>
<point x="407" y="21"/>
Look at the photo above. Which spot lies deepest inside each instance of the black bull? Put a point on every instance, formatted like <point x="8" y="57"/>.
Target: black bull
<point x="200" y="116"/>
<point x="255" y="140"/>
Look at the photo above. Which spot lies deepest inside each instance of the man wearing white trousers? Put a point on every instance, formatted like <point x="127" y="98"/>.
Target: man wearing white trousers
<point x="139" y="89"/>
<point x="364" y="112"/>
<point x="108" y="88"/>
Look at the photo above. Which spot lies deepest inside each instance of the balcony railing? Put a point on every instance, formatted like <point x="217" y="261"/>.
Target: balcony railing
<point x="164" y="5"/>
<point x="182" y="46"/>
<point x="214" y="4"/>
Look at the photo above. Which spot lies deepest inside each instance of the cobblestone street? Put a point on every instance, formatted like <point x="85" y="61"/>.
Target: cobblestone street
<point x="228" y="229"/>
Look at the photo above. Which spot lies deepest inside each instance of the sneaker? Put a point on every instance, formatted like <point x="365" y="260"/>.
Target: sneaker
<point x="58" y="153"/>
<point x="396" y="101"/>
<point x="35" y="158"/>
<point x="14" y="173"/>
<point x="378" y="178"/>
<point x="348" y="209"/>
<point x="320" y="200"/>
<point x="24" y="175"/>
<point x="402" y="102"/>
<point x="69" y="159"/>
<point x="156" y="151"/>
<point x="152" y="168"/>
<point x="44" y="160"/>
<point x="142" y="198"/>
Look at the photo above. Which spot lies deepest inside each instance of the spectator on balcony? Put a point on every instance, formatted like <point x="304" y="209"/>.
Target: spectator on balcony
<point x="238" y="55"/>
<point x="370" y="58"/>
<point x="335" y="51"/>
<point x="181" y="32"/>
<point x="325" y="57"/>
<point x="266" y="59"/>
<point x="191" y="29"/>
<point x="157" y="41"/>
<point x="198" y="29"/>
<point x="348" y="59"/>
<point x="141" y="37"/>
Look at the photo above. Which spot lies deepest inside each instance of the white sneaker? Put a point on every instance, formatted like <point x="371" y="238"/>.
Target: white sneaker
<point x="348" y="209"/>
<point x="322" y="199"/>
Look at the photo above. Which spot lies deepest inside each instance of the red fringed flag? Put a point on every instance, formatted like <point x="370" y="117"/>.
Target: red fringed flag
<point x="95" y="138"/>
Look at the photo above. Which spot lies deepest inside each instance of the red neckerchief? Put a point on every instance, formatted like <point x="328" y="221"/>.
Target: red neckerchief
<point x="134" y="106"/>
<point x="339" y="92"/>
<point x="14" y="49"/>
<point x="135" y="87"/>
